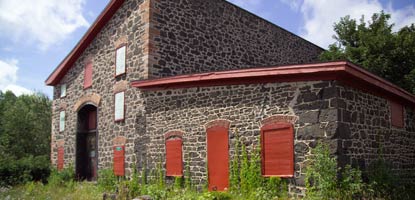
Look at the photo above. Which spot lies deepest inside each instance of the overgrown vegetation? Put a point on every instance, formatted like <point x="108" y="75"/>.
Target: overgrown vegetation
<point x="246" y="180"/>
<point x="324" y="180"/>
<point x="61" y="185"/>
<point x="25" y="123"/>
<point x="246" y="183"/>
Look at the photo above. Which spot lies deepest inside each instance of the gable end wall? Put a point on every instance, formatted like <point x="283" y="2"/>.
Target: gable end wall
<point x="194" y="36"/>
<point x="128" y="25"/>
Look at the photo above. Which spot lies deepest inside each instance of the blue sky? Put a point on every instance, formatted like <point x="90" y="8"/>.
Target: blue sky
<point x="35" y="36"/>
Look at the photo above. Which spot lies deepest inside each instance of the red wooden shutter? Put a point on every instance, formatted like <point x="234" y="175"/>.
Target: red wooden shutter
<point x="60" y="158"/>
<point x="396" y="114"/>
<point x="277" y="150"/>
<point x="119" y="166"/>
<point x="92" y="120"/>
<point x="174" y="163"/>
<point x="88" y="75"/>
<point x="218" y="158"/>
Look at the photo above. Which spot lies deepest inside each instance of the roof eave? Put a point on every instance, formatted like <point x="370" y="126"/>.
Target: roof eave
<point x="88" y="37"/>
<point x="342" y="71"/>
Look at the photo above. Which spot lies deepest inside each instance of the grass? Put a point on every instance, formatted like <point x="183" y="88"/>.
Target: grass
<point x="90" y="191"/>
<point x="36" y="190"/>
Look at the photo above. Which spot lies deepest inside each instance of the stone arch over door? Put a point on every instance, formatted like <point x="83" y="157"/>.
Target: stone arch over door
<point x="92" y="99"/>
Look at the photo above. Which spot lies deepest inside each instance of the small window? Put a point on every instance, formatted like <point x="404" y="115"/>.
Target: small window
<point x="277" y="150"/>
<point x="120" y="61"/>
<point x="88" y="75"/>
<point x="174" y="162"/>
<point x="396" y="114"/>
<point x="62" y="121"/>
<point x="119" y="106"/>
<point x="63" y="90"/>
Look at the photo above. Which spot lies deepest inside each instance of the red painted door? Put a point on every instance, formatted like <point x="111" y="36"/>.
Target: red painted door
<point x="218" y="158"/>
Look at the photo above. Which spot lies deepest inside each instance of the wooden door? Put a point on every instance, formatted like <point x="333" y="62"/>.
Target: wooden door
<point x="92" y="156"/>
<point x="218" y="158"/>
<point x="86" y="144"/>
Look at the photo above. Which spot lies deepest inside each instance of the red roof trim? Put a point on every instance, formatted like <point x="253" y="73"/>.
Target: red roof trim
<point x="342" y="71"/>
<point x="89" y="36"/>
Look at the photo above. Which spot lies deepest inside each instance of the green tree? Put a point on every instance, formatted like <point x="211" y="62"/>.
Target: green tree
<point x="25" y="123"/>
<point x="375" y="47"/>
<point x="26" y="126"/>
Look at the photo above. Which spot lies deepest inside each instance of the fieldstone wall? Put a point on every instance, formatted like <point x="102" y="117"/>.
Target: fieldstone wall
<point x="193" y="36"/>
<point x="367" y="133"/>
<point x="244" y="106"/>
<point x="128" y="26"/>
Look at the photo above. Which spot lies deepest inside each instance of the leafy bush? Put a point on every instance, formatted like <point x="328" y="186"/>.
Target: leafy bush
<point x="107" y="181"/>
<point x="322" y="179"/>
<point x="155" y="191"/>
<point x="215" y="196"/>
<point x="134" y="185"/>
<point x="246" y="177"/>
<point x="65" y="177"/>
<point x="14" y="172"/>
<point x="381" y="178"/>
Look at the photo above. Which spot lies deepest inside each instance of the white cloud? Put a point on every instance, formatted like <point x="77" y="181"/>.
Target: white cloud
<point x="403" y="17"/>
<point x="17" y="90"/>
<point x="294" y="4"/>
<point x="320" y="15"/>
<point x="45" y="22"/>
<point x="8" y="77"/>
<point x="8" y="72"/>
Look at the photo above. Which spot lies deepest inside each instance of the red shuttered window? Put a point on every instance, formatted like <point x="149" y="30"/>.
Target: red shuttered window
<point x="60" y="158"/>
<point x="119" y="160"/>
<point x="277" y="150"/>
<point x="88" y="75"/>
<point x="174" y="163"/>
<point x="396" y="114"/>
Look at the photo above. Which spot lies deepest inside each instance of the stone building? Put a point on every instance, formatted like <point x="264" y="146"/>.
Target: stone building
<point x="161" y="80"/>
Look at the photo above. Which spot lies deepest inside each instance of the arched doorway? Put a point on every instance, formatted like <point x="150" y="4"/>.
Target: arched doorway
<point x="86" y="144"/>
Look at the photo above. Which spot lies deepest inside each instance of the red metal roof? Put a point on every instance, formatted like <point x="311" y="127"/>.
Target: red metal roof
<point x="342" y="71"/>
<point x="92" y="32"/>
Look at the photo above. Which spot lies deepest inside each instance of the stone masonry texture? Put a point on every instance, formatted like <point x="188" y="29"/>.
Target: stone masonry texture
<point x="202" y="36"/>
<point x="168" y="38"/>
<point x="366" y="134"/>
